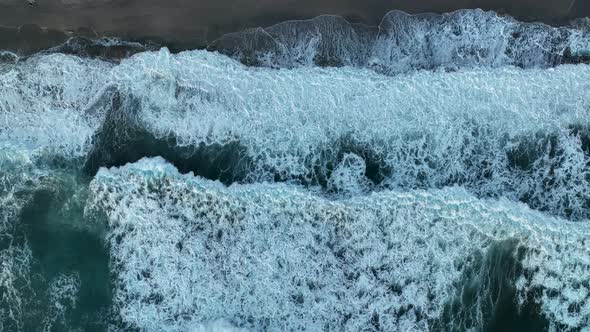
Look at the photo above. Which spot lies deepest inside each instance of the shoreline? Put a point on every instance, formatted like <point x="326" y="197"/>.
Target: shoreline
<point x="182" y="25"/>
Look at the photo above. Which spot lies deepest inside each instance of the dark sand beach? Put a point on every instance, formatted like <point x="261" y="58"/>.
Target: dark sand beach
<point x="185" y="24"/>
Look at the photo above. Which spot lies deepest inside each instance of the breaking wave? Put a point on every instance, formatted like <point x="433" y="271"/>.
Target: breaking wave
<point x="403" y="43"/>
<point x="273" y="257"/>
<point x="507" y="132"/>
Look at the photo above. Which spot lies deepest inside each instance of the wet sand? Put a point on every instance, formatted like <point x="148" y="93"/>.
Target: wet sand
<point x="186" y="24"/>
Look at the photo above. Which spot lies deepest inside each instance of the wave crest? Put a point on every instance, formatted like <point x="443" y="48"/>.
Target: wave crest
<point x="403" y="43"/>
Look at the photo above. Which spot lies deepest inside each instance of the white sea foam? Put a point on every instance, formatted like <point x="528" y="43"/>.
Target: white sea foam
<point x="496" y="132"/>
<point x="505" y="132"/>
<point x="63" y="296"/>
<point x="42" y="114"/>
<point x="192" y="254"/>
<point x="42" y="104"/>
<point x="15" y="256"/>
<point x="15" y="264"/>
<point x="404" y="43"/>
<point x="216" y="326"/>
<point x="274" y="257"/>
<point x="470" y="38"/>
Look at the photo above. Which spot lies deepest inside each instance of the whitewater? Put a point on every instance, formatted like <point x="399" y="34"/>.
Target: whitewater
<point x="314" y="175"/>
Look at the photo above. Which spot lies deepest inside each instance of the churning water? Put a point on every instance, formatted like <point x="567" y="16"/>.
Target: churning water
<point x="436" y="177"/>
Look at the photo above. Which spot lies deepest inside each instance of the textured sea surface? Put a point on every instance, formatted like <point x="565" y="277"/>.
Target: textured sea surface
<point x="432" y="174"/>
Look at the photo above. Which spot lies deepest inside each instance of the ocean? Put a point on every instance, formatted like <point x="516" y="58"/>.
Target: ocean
<point x="430" y="174"/>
